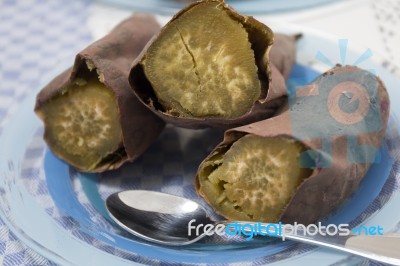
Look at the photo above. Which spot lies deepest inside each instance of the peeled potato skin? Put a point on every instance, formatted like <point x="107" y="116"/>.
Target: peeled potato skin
<point x="283" y="53"/>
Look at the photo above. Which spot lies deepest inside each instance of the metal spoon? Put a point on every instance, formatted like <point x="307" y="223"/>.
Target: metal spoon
<point x="162" y="218"/>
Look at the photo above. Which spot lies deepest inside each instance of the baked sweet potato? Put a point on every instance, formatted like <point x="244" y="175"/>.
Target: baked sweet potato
<point x="91" y="117"/>
<point x="303" y="163"/>
<point x="209" y="67"/>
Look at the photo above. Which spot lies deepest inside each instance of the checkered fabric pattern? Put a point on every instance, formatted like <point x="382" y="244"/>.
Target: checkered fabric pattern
<point x="168" y="166"/>
<point x="35" y="37"/>
<point x="387" y="16"/>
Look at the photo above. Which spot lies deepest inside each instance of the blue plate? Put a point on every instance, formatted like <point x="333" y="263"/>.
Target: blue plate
<point x="243" y="6"/>
<point x="60" y="213"/>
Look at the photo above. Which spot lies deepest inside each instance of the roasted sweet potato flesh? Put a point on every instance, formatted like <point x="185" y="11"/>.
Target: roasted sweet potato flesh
<point x="254" y="179"/>
<point x="82" y="124"/>
<point x="202" y="65"/>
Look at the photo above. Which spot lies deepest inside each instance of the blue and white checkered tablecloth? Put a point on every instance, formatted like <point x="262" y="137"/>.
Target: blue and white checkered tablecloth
<point x="35" y="37"/>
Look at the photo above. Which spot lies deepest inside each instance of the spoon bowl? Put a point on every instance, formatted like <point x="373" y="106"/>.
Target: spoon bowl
<point x="157" y="217"/>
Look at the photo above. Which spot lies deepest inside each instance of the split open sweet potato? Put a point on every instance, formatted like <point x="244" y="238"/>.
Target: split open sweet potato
<point x="306" y="161"/>
<point x="91" y="117"/>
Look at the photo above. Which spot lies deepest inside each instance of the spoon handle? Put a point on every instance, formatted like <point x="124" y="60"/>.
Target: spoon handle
<point x="382" y="248"/>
